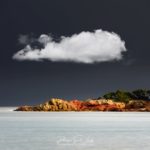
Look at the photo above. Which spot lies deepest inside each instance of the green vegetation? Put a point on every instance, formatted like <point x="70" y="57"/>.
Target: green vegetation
<point x="119" y="95"/>
<point x="124" y="96"/>
<point x="141" y="94"/>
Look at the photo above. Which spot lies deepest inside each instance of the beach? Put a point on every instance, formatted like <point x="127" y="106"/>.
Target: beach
<point x="74" y="130"/>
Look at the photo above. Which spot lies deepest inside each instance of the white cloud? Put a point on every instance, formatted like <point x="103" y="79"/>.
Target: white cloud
<point x="85" y="47"/>
<point x="23" y="39"/>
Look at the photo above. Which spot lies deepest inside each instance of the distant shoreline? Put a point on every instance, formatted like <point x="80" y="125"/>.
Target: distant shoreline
<point x="102" y="105"/>
<point x="121" y="101"/>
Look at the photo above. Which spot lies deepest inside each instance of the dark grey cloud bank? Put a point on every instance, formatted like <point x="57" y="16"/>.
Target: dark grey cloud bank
<point x="32" y="82"/>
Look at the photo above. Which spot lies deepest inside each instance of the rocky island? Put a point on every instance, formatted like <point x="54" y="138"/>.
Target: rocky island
<point x="138" y="100"/>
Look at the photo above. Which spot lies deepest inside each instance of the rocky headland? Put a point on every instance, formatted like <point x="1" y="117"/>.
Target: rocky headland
<point x="137" y="100"/>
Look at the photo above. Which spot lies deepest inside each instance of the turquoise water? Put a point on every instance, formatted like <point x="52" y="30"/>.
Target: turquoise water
<point x="74" y="130"/>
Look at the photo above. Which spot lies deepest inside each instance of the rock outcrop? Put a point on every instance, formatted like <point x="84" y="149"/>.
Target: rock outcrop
<point x="89" y="105"/>
<point x="138" y="100"/>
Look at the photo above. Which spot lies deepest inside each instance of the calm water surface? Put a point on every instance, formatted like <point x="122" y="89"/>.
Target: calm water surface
<point x="74" y="130"/>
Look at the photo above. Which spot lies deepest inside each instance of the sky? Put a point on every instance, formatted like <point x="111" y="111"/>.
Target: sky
<point x="72" y="49"/>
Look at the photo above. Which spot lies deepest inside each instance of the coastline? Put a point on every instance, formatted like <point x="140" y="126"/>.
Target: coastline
<point x="102" y="105"/>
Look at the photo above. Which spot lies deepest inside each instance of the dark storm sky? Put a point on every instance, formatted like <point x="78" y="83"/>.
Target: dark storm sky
<point x="30" y="82"/>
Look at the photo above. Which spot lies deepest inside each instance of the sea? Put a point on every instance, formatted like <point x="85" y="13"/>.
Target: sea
<point x="74" y="130"/>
